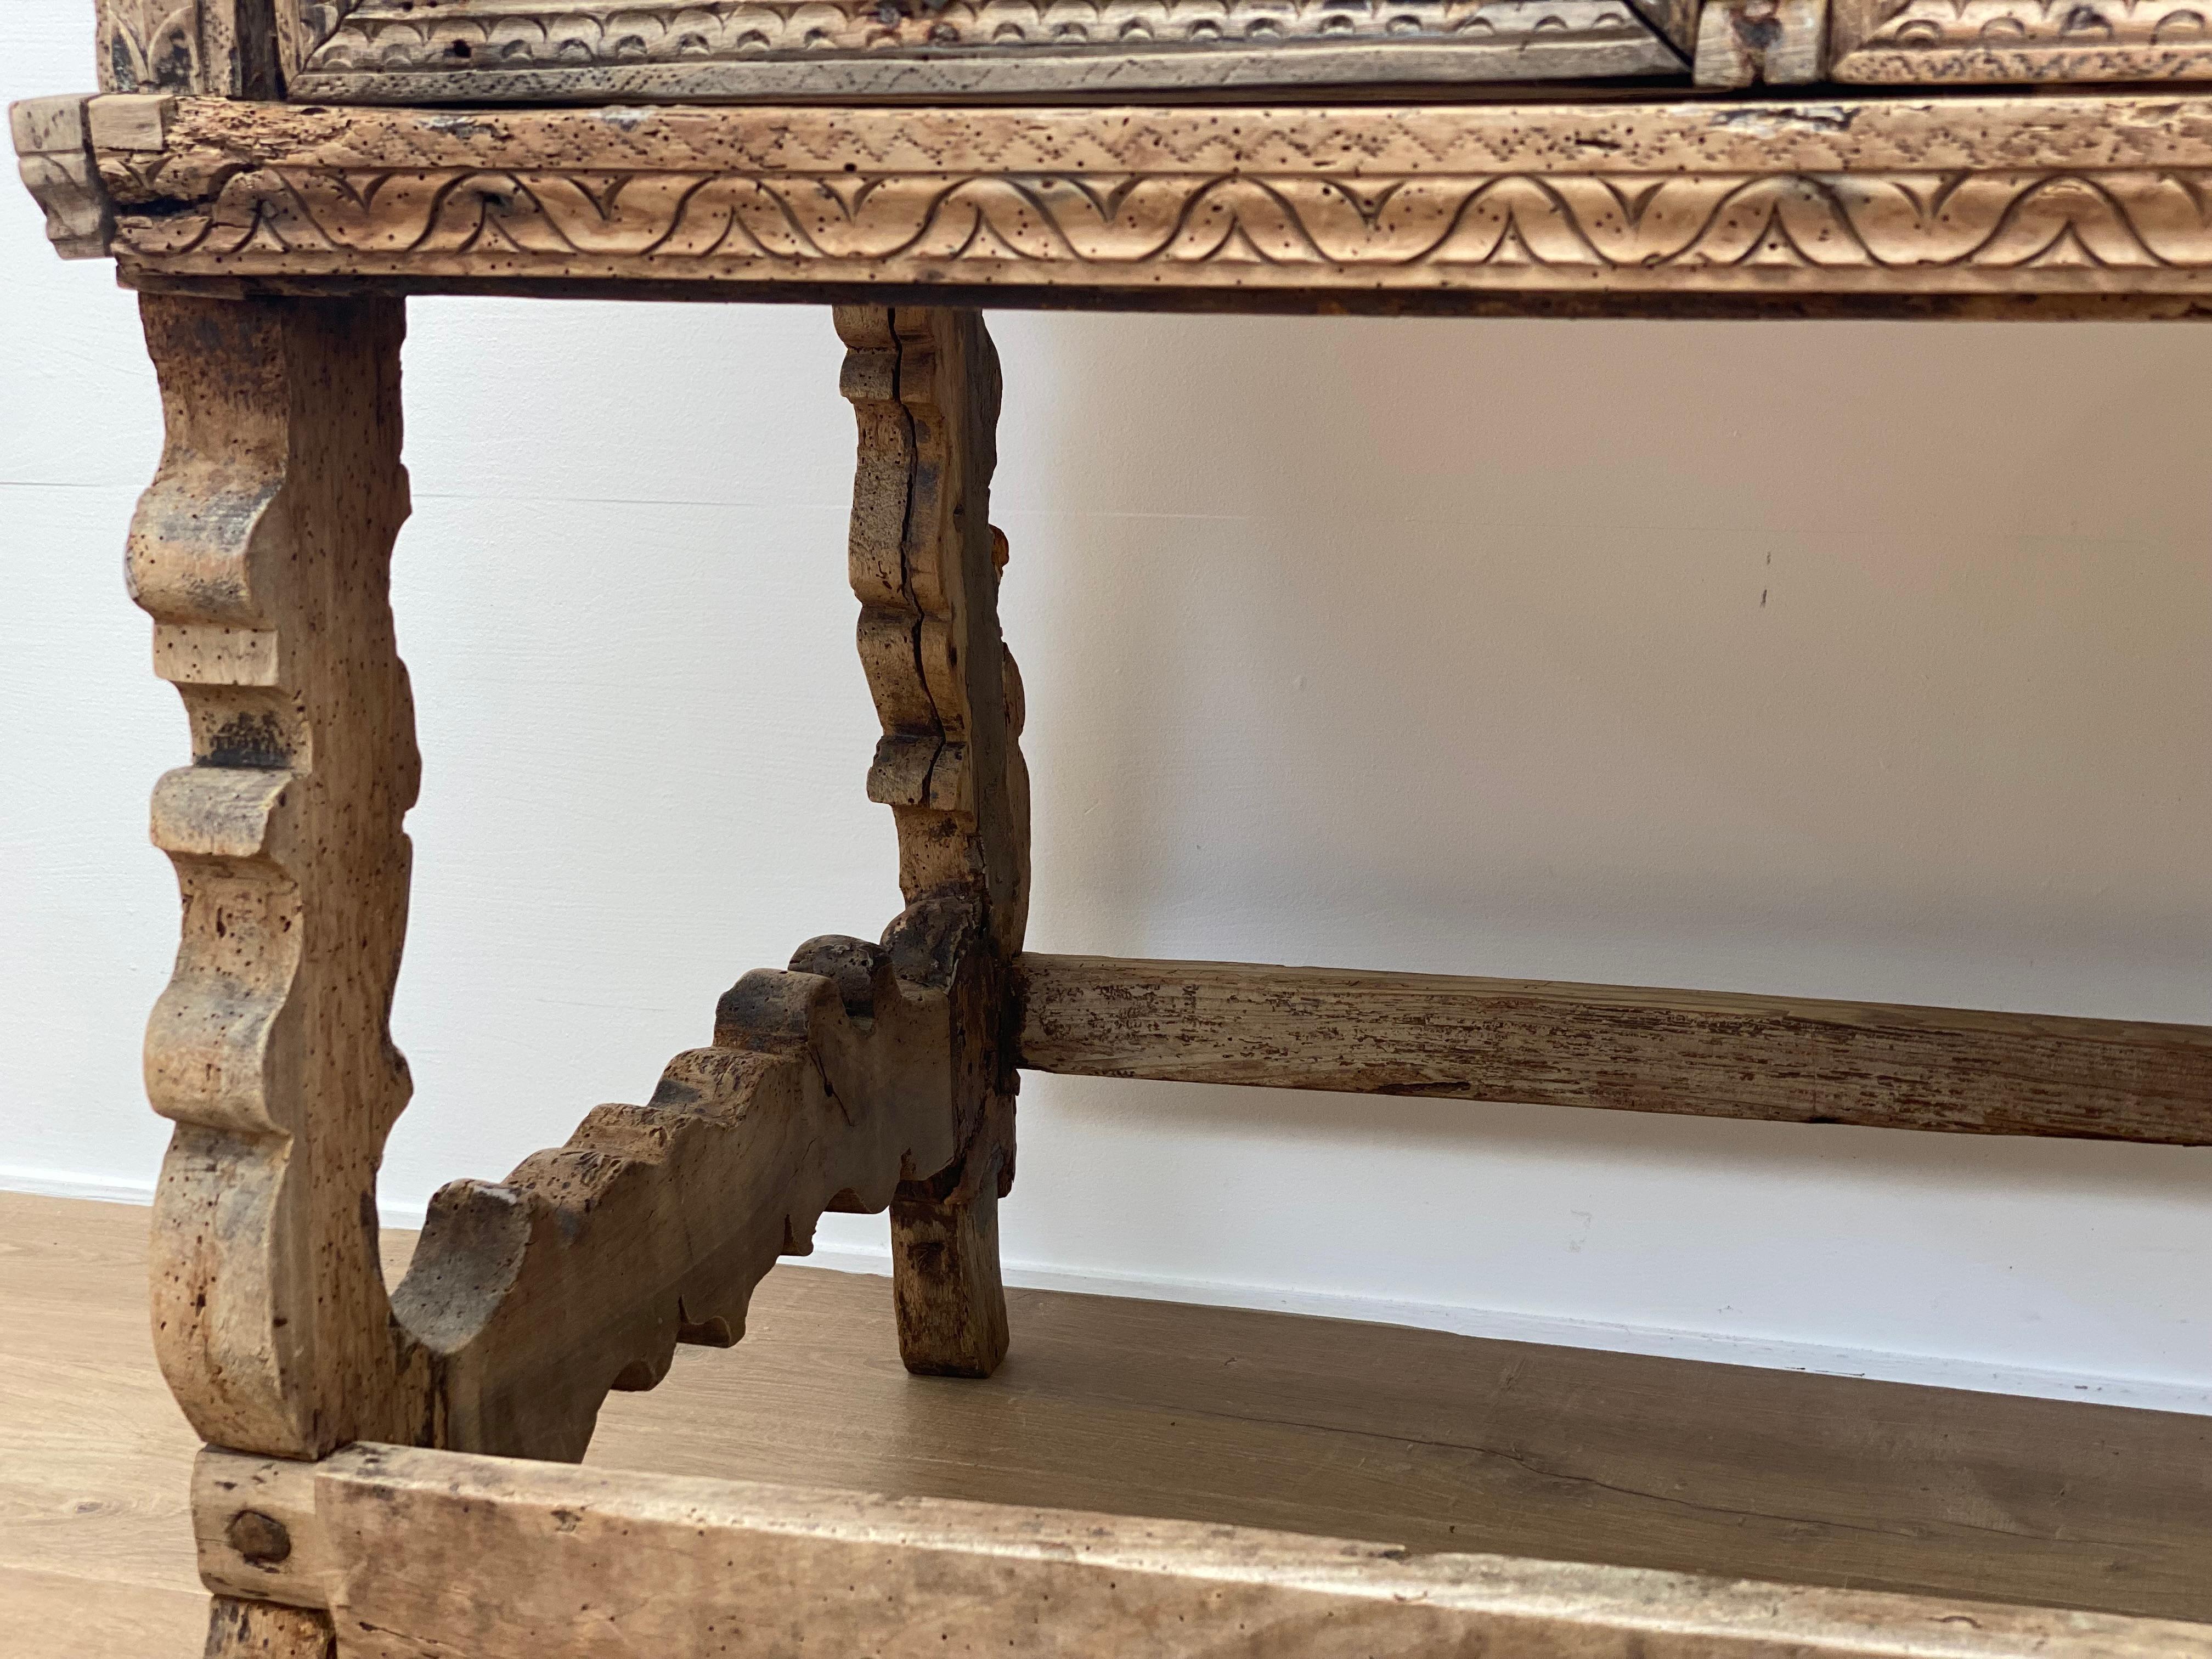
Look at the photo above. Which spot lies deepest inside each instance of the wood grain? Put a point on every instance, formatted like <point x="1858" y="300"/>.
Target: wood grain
<point x="62" y="1616"/>
<point x="1417" y="1438"/>
<point x="827" y="1086"/>
<point x="262" y="551"/>
<point x="1996" y="42"/>
<point x="1775" y="43"/>
<point x="472" y="51"/>
<point x="579" y="1564"/>
<point x="1632" y="204"/>
<point x="54" y="157"/>
<point x="223" y="48"/>
<point x="1707" y="1053"/>
<point x="925" y="564"/>
<point x="544" y="51"/>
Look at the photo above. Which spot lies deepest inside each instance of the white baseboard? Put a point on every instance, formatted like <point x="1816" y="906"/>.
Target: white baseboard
<point x="1933" y="1371"/>
<point x="55" y="1183"/>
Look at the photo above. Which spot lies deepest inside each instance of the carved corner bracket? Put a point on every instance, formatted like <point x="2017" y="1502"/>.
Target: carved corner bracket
<point x="54" y="155"/>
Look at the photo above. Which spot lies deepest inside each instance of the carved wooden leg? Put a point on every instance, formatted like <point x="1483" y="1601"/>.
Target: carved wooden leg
<point x="262" y="551"/>
<point x="924" y="564"/>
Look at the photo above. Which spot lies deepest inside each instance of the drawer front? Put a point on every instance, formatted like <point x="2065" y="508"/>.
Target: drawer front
<point x="448" y="51"/>
<point x="388" y="51"/>
<point x="493" y="51"/>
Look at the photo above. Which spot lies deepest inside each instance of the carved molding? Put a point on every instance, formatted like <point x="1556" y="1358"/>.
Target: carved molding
<point x="53" y="147"/>
<point x="1934" y="42"/>
<point x="396" y="39"/>
<point x="2064" y="196"/>
<point x="386" y="50"/>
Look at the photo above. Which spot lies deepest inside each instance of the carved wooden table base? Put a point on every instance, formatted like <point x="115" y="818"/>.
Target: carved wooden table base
<point x="348" y="1509"/>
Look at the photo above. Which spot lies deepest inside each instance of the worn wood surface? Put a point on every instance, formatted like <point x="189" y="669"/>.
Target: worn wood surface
<point x="826" y="1087"/>
<point x="242" y="1629"/>
<point x="585" y="1564"/>
<point x="262" y="550"/>
<point x="476" y="51"/>
<point x="526" y="51"/>
<point x="54" y="157"/>
<point x="222" y="48"/>
<point x="2066" y="199"/>
<point x="2022" y="42"/>
<point x="1629" y="1049"/>
<point x="1775" y="43"/>
<point x="924" y="564"/>
<point x="1416" y="1437"/>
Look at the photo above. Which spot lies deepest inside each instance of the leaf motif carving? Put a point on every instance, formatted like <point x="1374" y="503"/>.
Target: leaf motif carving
<point x="149" y="45"/>
<point x="384" y="36"/>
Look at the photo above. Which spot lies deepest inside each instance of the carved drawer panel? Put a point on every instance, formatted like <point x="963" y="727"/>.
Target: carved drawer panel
<point x="553" y="51"/>
<point x="431" y="51"/>
<point x="1984" y="42"/>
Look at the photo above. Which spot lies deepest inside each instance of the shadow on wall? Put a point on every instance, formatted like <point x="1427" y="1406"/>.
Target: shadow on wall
<point x="1848" y="660"/>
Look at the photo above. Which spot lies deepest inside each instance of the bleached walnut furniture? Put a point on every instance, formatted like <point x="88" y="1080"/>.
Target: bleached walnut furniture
<point x="388" y="1473"/>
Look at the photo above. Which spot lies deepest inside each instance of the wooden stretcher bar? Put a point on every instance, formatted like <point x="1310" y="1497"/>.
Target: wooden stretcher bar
<point x="1707" y="1053"/>
<point x="591" y="1562"/>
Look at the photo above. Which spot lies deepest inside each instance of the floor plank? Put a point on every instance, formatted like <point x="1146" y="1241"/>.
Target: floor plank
<point x="1140" y="1407"/>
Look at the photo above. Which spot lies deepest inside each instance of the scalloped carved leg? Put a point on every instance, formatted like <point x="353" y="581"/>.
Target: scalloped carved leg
<point x="925" y="564"/>
<point x="262" y="551"/>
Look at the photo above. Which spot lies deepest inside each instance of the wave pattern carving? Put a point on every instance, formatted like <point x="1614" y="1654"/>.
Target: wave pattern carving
<point x="2113" y="219"/>
<point x="2012" y="24"/>
<point x="389" y="40"/>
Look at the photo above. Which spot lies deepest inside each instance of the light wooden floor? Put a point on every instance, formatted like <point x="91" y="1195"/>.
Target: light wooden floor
<point x="1361" y="1431"/>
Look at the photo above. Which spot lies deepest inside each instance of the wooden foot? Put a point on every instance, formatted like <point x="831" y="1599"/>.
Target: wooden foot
<point x="262" y="1630"/>
<point x="925" y="565"/>
<point x="944" y="1259"/>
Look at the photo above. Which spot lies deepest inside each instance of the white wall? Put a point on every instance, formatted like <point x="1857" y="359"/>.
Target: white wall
<point x="1844" y="659"/>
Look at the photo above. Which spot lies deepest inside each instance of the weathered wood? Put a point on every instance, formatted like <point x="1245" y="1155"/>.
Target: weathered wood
<point x="946" y="1283"/>
<point x="53" y="147"/>
<point x="1705" y="1053"/>
<point x="2064" y="197"/>
<point x="477" y="51"/>
<point x="1994" y="42"/>
<point x="827" y="1086"/>
<point x="1776" y="43"/>
<point x="543" y="51"/>
<point x="262" y="551"/>
<point x="221" y="48"/>
<point x="925" y="564"/>
<point x="260" y="1630"/>
<point x="580" y="1563"/>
